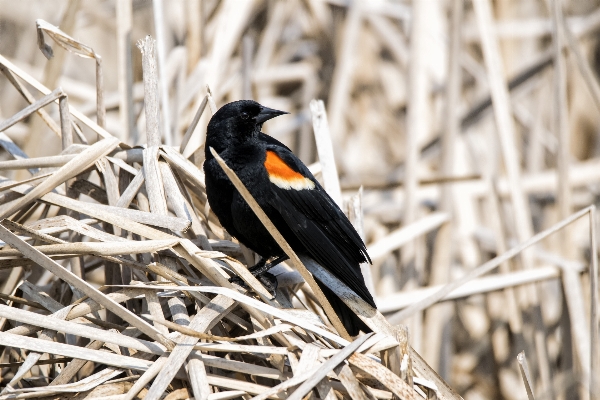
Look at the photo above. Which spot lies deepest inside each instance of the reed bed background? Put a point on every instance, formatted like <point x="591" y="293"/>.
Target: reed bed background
<point x="462" y="138"/>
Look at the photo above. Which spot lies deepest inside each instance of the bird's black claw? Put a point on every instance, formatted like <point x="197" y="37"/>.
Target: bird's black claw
<point x="238" y="281"/>
<point x="269" y="281"/>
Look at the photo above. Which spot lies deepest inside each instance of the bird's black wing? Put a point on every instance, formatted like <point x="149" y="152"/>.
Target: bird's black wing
<point x="319" y="224"/>
<point x="272" y="142"/>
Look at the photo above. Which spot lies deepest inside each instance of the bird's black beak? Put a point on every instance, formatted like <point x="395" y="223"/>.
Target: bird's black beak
<point x="267" y="113"/>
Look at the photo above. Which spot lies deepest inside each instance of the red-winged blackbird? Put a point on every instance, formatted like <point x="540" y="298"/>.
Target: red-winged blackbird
<point x="289" y="194"/>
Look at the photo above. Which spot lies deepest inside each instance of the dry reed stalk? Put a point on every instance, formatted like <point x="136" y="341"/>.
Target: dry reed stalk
<point x="476" y="286"/>
<point x="30" y="99"/>
<point x="52" y="72"/>
<point x="487" y="267"/>
<point x="72" y="45"/>
<point x="438" y="318"/>
<point x="524" y="368"/>
<point x="323" y="140"/>
<point x="161" y="62"/>
<point x="594" y="335"/>
<point x="342" y="78"/>
<point x="355" y="215"/>
<point x="49" y="98"/>
<point x="417" y="127"/>
<point x="506" y="133"/>
<point x="571" y="283"/>
<point x="406" y="234"/>
<point x="44" y="90"/>
<point x="125" y="70"/>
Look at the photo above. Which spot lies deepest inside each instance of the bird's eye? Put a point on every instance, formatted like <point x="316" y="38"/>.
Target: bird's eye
<point x="244" y="115"/>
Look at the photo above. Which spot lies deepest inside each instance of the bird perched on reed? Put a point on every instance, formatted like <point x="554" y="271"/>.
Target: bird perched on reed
<point x="305" y="215"/>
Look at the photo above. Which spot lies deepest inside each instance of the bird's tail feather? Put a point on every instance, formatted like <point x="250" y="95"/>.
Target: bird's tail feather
<point x="351" y="322"/>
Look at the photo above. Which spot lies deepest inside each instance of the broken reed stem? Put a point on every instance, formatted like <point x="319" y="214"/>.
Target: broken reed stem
<point x="80" y="49"/>
<point x="324" y="143"/>
<point x="100" y="107"/>
<point x="65" y="122"/>
<point x="192" y="128"/>
<point x="161" y="57"/>
<point x="211" y="100"/>
<point x="524" y="368"/>
<point x="151" y="104"/>
<point x="356" y="217"/>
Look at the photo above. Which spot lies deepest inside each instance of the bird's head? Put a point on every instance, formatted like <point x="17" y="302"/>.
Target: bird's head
<point x="238" y="121"/>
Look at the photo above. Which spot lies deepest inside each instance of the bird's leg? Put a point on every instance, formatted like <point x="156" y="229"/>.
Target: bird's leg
<point x="278" y="261"/>
<point x="239" y="281"/>
<point x="260" y="271"/>
<point x="258" y="266"/>
<point x="268" y="280"/>
<point x="262" y="266"/>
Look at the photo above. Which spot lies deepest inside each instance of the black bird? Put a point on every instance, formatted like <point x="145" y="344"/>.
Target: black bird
<point x="289" y="194"/>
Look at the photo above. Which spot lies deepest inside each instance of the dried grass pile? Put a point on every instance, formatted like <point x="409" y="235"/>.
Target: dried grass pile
<point x="167" y="323"/>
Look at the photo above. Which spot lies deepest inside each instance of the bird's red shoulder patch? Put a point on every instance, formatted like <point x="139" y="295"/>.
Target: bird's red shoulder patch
<point x="283" y="176"/>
